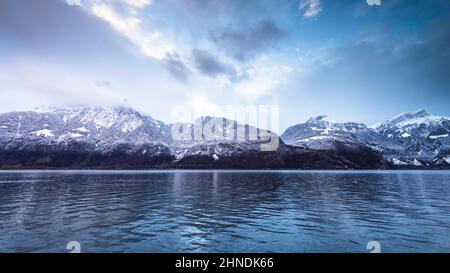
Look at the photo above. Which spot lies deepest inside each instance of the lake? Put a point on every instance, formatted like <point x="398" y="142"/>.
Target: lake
<point x="225" y="211"/>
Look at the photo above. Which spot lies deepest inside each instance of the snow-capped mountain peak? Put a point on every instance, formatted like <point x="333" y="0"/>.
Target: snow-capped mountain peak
<point x="414" y="119"/>
<point x="408" y="115"/>
<point x="98" y="128"/>
<point x="409" y="139"/>
<point x="322" y="133"/>
<point x="320" y="119"/>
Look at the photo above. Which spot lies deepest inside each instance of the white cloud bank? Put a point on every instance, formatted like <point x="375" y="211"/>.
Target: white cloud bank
<point x="150" y="43"/>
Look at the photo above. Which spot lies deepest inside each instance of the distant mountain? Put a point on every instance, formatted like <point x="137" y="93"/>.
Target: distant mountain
<point x="416" y="139"/>
<point x="94" y="137"/>
<point x="83" y="136"/>
<point x="408" y="140"/>
<point x="320" y="133"/>
<point x="221" y="142"/>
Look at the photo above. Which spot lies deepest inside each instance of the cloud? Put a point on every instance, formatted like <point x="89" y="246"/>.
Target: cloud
<point x="262" y="80"/>
<point x="138" y="4"/>
<point x="75" y="3"/>
<point x="379" y="69"/>
<point x="311" y="8"/>
<point x="27" y="83"/>
<point x="158" y="38"/>
<point x="245" y="43"/>
<point x="48" y="28"/>
<point x="150" y="43"/>
<point x="173" y="63"/>
<point x="209" y="65"/>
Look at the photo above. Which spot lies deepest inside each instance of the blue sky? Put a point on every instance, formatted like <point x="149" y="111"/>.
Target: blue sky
<point x="343" y="58"/>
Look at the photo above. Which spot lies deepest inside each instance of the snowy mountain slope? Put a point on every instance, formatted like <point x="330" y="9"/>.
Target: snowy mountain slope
<point x="411" y="139"/>
<point x="421" y="138"/>
<point x="217" y="145"/>
<point x="320" y="133"/>
<point x="93" y="134"/>
<point x="94" y="137"/>
<point x="215" y="138"/>
<point x="84" y="130"/>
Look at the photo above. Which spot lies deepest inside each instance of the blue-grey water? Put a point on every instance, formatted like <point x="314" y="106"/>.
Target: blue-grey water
<point x="225" y="211"/>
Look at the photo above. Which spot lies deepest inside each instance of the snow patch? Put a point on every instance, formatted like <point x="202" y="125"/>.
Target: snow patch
<point x="405" y="135"/>
<point x="421" y="120"/>
<point x="398" y="162"/>
<point x="81" y="130"/>
<point x="101" y="118"/>
<point x="327" y="131"/>
<point x="315" y="138"/>
<point x="74" y="135"/>
<point x="376" y="148"/>
<point x="131" y="125"/>
<point x="69" y="135"/>
<point x="376" y="125"/>
<point x="43" y="133"/>
<point x="447" y="159"/>
<point x="215" y="157"/>
<point x="68" y="114"/>
<point x="416" y="162"/>
<point x="439" y="136"/>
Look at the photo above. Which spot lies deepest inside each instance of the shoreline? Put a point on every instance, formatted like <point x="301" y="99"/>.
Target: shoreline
<point x="168" y="170"/>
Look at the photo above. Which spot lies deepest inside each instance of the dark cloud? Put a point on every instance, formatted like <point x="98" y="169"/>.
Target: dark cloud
<point x="173" y="63"/>
<point x="245" y="43"/>
<point x="53" y="28"/>
<point x="208" y="65"/>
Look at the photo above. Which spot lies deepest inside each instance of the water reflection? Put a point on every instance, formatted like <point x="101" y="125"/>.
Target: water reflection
<point x="224" y="211"/>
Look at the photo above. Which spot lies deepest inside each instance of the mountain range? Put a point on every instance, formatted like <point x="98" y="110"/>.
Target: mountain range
<point x="123" y="138"/>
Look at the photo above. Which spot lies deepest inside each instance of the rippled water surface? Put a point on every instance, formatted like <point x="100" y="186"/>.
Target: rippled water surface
<point x="225" y="211"/>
